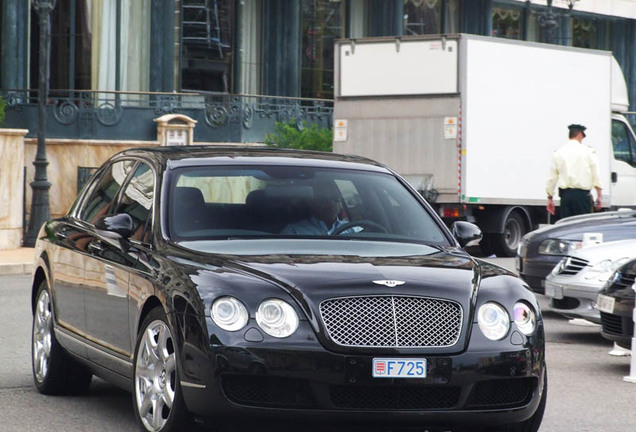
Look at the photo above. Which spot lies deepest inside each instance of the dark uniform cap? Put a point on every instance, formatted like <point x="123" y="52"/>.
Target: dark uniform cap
<point x="577" y="127"/>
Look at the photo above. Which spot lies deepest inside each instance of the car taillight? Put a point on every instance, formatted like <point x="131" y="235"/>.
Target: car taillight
<point x="450" y="212"/>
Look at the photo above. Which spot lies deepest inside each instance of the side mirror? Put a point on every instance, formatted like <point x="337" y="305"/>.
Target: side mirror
<point x="466" y="233"/>
<point x="119" y="226"/>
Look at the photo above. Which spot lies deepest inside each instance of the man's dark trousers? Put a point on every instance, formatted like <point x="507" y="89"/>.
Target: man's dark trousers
<point x="575" y="202"/>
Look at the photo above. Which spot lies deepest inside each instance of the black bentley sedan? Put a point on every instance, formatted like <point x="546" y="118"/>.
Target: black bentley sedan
<point x="616" y="305"/>
<point x="231" y="285"/>
<point x="541" y="250"/>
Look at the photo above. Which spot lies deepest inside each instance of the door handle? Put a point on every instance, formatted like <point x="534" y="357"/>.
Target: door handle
<point x="614" y="177"/>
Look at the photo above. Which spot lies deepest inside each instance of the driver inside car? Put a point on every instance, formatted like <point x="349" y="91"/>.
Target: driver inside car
<point x="326" y="206"/>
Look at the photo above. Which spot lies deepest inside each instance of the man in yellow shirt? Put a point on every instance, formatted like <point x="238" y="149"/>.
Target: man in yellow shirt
<point x="574" y="170"/>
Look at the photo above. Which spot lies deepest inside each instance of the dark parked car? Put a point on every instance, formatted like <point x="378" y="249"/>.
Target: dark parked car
<point x="206" y="281"/>
<point x="616" y="305"/>
<point x="541" y="250"/>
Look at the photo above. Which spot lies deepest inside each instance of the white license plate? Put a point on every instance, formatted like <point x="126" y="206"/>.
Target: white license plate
<point x="554" y="291"/>
<point x="399" y="368"/>
<point x="605" y="303"/>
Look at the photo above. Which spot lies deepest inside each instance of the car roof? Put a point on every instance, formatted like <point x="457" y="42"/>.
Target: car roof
<point x="186" y="156"/>
<point x="612" y="228"/>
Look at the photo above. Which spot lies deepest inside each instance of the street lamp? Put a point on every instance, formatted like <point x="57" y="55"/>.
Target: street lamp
<point x="549" y="20"/>
<point x="40" y="185"/>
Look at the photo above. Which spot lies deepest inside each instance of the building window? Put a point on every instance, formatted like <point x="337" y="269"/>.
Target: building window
<point x="452" y="16"/>
<point x="96" y="45"/>
<point x="207" y="41"/>
<point x="322" y="23"/>
<point x="251" y="58"/>
<point x="70" y="46"/>
<point x="507" y="23"/>
<point x="422" y="17"/>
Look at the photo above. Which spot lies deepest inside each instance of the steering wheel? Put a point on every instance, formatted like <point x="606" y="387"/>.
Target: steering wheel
<point x="362" y="223"/>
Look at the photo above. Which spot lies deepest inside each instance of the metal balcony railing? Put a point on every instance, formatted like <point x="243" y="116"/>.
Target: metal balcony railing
<point x="220" y="117"/>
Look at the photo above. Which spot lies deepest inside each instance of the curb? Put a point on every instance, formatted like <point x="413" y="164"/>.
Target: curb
<point x="16" y="261"/>
<point x="16" y="269"/>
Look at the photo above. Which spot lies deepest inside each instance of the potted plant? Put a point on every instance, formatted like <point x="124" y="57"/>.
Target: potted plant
<point x="3" y="105"/>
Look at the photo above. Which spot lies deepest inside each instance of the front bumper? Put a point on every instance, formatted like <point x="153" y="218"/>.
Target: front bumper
<point x="301" y="384"/>
<point x="534" y="270"/>
<point x="619" y="326"/>
<point x="575" y="299"/>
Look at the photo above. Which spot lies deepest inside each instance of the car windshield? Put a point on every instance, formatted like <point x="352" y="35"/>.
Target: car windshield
<point x="279" y="202"/>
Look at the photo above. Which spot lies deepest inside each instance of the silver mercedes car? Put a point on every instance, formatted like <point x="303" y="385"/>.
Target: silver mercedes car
<point x="575" y="281"/>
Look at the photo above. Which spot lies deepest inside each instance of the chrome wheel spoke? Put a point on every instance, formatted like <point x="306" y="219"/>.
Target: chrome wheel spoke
<point x="168" y="396"/>
<point x="157" y="411"/>
<point x="146" y="406"/>
<point x="154" y="371"/>
<point x="42" y="328"/>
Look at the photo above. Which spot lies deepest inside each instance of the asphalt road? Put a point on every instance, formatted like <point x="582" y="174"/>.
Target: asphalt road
<point x="586" y="387"/>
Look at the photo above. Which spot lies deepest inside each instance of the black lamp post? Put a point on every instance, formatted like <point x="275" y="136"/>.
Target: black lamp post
<point x="549" y="20"/>
<point x="40" y="207"/>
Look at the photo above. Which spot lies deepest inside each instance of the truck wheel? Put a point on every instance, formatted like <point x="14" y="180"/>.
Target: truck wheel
<point x="505" y="245"/>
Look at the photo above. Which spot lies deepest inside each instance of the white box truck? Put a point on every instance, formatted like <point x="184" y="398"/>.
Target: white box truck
<point x="472" y="122"/>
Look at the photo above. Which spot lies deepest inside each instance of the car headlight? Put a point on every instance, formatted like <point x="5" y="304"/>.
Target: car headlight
<point x="558" y="247"/>
<point x="525" y="318"/>
<point x="229" y="313"/>
<point x="493" y="321"/>
<point x="602" y="271"/>
<point x="277" y="318"/>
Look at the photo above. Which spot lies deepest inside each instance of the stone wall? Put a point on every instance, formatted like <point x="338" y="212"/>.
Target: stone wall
<point x="11" y="189"/>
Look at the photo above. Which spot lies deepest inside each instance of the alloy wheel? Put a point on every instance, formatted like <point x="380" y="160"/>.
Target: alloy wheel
<point x="155" y="376"/>
<point x="42" y="329"/>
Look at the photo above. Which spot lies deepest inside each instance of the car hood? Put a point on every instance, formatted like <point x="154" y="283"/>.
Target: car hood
<point x="310" y="274"/>
<point x="443" y="273"/>
<point x="613" y="250"/>
<point x="311" y="268"/>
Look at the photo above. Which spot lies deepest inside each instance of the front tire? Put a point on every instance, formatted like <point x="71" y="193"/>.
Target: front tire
<point x="54" y="371"/>
<point x="157" y="397"/>
<point x="505" y="244"/>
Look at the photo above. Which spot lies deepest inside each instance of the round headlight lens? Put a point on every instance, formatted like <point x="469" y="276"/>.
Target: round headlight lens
<point x="229" y="313"/>
<point x="277" y="318"/>
<point x="493" y="321"/>
<point x="525" y="318"/>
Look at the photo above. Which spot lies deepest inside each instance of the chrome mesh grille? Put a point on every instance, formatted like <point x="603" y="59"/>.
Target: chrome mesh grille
<point x="392" y="321"/>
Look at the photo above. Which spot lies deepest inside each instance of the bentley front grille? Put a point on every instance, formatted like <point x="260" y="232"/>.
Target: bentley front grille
<point x="392" y="321"/>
